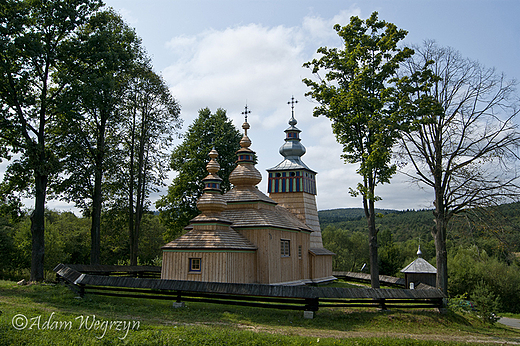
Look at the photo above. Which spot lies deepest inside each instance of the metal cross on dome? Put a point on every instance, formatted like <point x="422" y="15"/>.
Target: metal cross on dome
<point x="292" y="102"/>
<point x="246" y="112"/>
<point x="245" y="125"/>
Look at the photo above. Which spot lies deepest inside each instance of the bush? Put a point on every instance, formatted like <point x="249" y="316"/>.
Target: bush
<point x="487" y="303"/>
<point x="471" y="269"/>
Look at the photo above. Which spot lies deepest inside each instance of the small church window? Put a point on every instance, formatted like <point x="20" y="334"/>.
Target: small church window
<point x="195" y="265"/>
<point x="285" y="247"/>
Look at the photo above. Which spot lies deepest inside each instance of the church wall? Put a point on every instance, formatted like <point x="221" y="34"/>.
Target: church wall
<point x="261" y="238"/>
<point x="321" y="266"/>
<point x="236" y="267"/>
<point x="272" y="267"/>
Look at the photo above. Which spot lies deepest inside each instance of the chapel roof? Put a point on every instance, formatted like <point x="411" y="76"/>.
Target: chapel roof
<point x="419" y="266"/>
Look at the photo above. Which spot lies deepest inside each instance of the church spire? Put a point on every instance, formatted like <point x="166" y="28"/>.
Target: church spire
<point x="211" y="201"/>
<point x="292" y="175"/>
<point x="292" y="148"/>
<point x="245" y="173"/>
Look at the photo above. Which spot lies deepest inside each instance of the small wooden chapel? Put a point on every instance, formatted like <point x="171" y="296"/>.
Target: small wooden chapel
<point x="244" y="236"/>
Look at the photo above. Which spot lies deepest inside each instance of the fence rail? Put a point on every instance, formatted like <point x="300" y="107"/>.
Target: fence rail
<point x="305" y="298"/>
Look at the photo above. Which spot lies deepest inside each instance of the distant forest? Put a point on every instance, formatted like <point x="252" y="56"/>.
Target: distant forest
<point x="499" y="224"/>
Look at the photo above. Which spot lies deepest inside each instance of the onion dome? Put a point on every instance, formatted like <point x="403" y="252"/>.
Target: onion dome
<point x="211" y="201"/>
<point x="245" y="174"/>
<point x="292" y="148"/>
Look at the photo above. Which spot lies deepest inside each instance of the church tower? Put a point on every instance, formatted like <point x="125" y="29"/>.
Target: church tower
<point x="293" y="185"/>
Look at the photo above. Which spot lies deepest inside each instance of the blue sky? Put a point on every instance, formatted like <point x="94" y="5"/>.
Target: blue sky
<point x="226" y="53"/>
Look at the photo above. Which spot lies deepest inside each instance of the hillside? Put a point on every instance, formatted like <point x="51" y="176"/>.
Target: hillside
<point x="501" y="224"/>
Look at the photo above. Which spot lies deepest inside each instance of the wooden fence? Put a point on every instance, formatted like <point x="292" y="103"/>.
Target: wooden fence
<point x="305" y="298"/>
<point x="365" y="278"/>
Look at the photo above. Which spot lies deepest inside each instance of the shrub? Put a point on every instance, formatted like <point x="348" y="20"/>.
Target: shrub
<point x="487" y="303"/>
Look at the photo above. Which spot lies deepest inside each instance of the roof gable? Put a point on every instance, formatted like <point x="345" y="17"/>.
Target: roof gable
<point x="420" y="266"/>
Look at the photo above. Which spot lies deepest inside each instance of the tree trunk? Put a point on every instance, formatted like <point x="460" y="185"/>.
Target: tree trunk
<point x="95" y="230"/>
<point x="439" y="236"/>
<point x="368" y="205"/>
<point x="97" y="198"/>
<point x="38" y="229"/>
<point x="131" y="212"/>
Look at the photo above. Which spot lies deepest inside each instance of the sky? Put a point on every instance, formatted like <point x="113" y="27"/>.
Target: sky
<point x="226" y="54"/>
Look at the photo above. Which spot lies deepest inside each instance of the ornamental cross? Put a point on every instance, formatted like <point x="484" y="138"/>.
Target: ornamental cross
<point x="292" y="102"/>
<point x="246" y="112"/>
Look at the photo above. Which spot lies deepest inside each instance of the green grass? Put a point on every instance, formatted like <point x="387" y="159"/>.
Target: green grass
<point x="212" y="324"/>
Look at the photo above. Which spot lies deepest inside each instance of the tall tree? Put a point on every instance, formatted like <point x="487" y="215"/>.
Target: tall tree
<point x="33" y="34"/>
<point x="466" y="149"/>
<point x="357" y="95"/>
<point x="149" y="128"/>
<point x="104" y="56"/>
<point x="189" y="161"/>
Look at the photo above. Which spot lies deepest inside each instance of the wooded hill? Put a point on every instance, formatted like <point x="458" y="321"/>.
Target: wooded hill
<point x="499" y="225"/>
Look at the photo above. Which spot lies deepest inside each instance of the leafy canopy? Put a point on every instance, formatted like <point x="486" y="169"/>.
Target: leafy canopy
<point x="357" y="94"/>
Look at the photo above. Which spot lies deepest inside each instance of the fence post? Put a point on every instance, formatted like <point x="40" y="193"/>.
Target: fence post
<point x="81" y="290"/>
<point x="382" y="305"/>
<point x="178" y="303"/>
<point x="311" y="305"/>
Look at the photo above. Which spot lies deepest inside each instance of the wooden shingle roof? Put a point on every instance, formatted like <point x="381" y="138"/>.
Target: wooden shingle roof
<point x="246" y="194"/>
<point x="210" y="240"/>
<point x="278" y="217"/>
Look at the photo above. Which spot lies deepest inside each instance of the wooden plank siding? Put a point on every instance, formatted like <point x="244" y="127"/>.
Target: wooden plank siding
<point x="272" y="268"/>
<point x="321" y="267"/>
<point x="221" y="266"/>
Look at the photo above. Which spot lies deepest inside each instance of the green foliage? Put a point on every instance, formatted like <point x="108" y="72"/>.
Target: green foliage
<point x="473" y="271"/>
<point x="460" y="303"/>
<point x="357" y="95"/>
<point x="33" y="41"/>
<point x="494" y="229"/>
<point x="486" y="301"/>
<point x="351" y="248"/>
<point x="189" y="161"/>
<point x="67" y="240"/>
<point x="115" y="241"/>
<point x="7" y="245"/>
<point x="103" y="58"/>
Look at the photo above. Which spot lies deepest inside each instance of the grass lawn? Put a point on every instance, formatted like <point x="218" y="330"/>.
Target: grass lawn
<point x="48" y="314"/>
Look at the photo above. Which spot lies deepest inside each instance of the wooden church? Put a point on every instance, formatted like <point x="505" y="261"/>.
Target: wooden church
<point x="244" y="236"/>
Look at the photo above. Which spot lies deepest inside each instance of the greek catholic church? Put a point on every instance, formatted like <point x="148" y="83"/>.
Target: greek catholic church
<point x="244" y="236"/>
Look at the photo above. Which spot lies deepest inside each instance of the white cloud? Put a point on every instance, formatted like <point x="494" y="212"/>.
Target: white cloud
<point x="322" y="29"/>
<point x="263" y="65"/>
